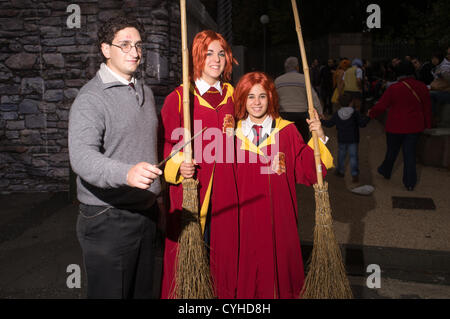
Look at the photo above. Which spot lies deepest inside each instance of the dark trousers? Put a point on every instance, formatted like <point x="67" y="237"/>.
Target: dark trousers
<point x="327" y="93"/>
<point x="408" y="144"/>
<point x="118" y="251"/>
<point x="300" y="122"/>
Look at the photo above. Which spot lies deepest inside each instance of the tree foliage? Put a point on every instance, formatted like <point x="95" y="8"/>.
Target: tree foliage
<point x="412" y="21"/>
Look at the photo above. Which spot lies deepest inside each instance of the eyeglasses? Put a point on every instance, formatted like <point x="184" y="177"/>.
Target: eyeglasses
<point x="126" y="46"/>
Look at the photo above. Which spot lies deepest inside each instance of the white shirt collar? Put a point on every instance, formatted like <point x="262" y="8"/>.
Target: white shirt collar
<point x="121" y="78"/>
<point x="203" y="86"/>
<point x="247" y="125"/>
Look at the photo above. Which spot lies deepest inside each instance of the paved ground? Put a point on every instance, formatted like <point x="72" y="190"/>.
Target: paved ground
<point x="411" y="247"/>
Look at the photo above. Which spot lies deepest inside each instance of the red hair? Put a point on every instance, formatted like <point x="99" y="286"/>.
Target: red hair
<point x="243" y="88"/>
<point x="200" y="48"/>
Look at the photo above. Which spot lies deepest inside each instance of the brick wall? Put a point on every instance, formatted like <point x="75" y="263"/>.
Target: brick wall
<point x="44" y="63"/>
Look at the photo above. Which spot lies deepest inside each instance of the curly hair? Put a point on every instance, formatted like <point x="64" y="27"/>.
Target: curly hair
<point x="107" y="31"/>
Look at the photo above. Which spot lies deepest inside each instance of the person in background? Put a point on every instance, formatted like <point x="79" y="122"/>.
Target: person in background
<point x="436" y="60"/>
<point x="440" y="88"/>
<point x="326" y="86"/>
<point x="315" y="75"/>
<point x="409" y="113"/>
<point x="338" y="80"/>
<point x="291" y="89"/>
<point x="347" y="121"/>
<point x="353" y="82"/>
<point x="423" y="71"/>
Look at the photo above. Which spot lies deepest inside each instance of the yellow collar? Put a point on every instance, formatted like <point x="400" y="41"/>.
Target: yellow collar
<point x="205" y="103"/>
<point x="248" y="145"/>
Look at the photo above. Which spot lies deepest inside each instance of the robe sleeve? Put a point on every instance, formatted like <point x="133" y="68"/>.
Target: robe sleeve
<point x="172" y="119"/>
<point x="383" y="104"/>
<point x="305" y="166"/>
<point x="325" y="155"/>
<point x="427" y="111"/>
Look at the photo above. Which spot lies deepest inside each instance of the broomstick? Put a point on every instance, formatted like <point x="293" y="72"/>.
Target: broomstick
<point x="326" y="278"/>
<point x="193" y="278"/>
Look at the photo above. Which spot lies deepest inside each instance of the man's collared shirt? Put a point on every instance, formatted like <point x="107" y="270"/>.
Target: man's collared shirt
<point x="247" y="126"/>
<point x="121" y="78"/>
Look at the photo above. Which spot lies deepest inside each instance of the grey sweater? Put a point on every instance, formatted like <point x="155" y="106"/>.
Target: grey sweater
<point x="291" y="90"/>
<point x="111" y="129"/>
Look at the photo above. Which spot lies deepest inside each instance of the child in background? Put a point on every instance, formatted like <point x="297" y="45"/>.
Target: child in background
<point x="347" y="121"/>
<point x="271" y="158"/>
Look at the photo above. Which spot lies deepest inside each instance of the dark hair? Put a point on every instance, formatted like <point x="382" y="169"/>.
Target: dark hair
<point x="404" y="68"/>
<point x="345" y="100"/>
<point x="438" y="55"/>
<point x="107" y="31"/>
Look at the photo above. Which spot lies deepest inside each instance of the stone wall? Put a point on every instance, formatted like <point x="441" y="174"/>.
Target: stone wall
<point x="44" y="63"/>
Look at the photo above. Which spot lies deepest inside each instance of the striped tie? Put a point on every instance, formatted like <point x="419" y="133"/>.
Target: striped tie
<point x="256" y="134"/>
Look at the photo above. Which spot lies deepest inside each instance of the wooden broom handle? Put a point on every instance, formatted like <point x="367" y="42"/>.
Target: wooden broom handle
<point x="186" y="85"/>
<point x="308" y="93"/>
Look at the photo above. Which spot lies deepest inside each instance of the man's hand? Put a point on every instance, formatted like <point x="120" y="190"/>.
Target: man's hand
<point x="188" y="170"/>
<point x="142" y="175"/>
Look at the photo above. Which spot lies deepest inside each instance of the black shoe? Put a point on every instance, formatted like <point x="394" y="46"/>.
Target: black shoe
<point x="339" y="174"/>
<point x="409" y="188"/>
<point x="381" y="173"/>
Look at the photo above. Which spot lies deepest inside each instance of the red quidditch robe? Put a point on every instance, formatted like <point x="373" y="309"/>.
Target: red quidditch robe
<point x="270" y="260"/>
<point x="214" y="153"/>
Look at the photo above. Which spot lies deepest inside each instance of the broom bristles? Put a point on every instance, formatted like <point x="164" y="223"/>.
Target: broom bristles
<point x="192" y="279"/>
<point x="326" y="278"/>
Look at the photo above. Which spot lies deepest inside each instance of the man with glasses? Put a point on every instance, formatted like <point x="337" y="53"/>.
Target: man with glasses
<point x="113" y="146"/>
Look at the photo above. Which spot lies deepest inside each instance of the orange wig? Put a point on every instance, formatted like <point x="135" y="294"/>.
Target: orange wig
<point x="243" y="88"/>
<point x="200" y="48"/>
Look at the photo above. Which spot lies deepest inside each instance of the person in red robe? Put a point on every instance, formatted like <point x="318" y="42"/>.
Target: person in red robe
<point x="271" y="158"/>
<point x="213" y="166"/>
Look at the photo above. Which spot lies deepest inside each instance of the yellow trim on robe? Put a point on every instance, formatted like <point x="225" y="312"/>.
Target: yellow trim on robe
<point x="325" y="155"/>
<point x="179" y="101"/>
<point x="206" y="200"/>
<point x="205" y="103"/>
<point x="173" y="165"/>
<point x="173" y="177"/>
<point x="172" y="168"/>
<point x="247" y="145"/>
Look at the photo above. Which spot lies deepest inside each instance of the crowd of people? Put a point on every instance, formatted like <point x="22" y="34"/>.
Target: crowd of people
<point x="331" y="79"/>
<point x="410" y="91"/>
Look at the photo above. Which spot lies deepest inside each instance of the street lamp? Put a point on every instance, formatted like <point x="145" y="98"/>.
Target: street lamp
<point x="264" y="20"/>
